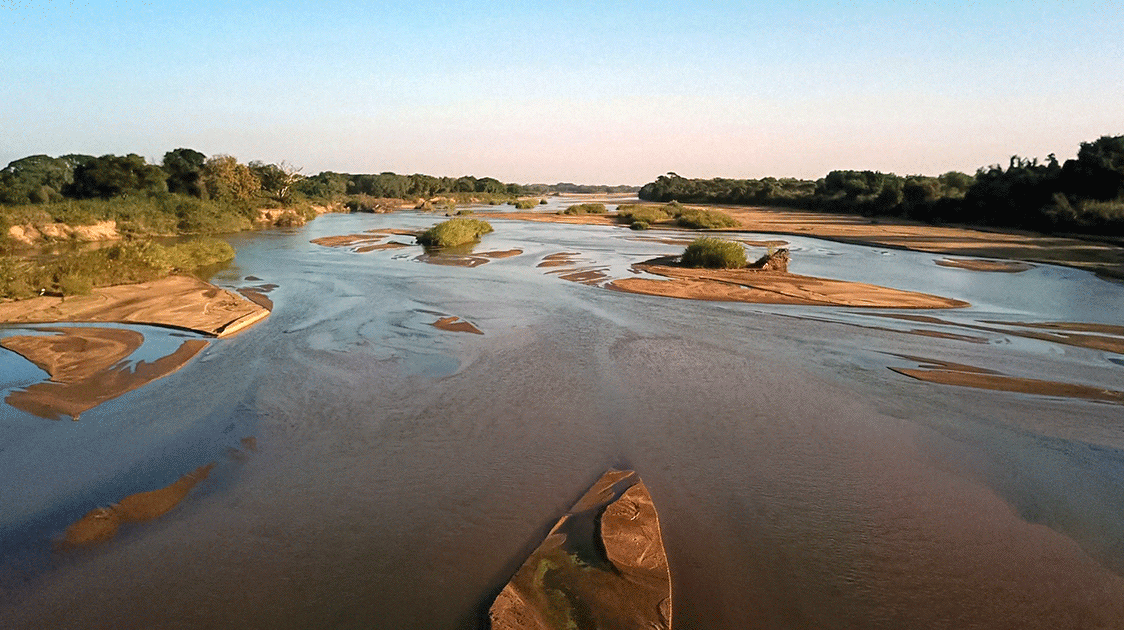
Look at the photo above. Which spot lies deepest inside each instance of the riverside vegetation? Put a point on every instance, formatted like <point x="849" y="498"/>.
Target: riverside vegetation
<point x="1083" y="195"/>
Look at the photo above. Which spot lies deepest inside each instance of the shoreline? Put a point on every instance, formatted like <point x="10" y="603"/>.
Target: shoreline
<point x="1100" y="257"/>
<point x="178" y="302"/>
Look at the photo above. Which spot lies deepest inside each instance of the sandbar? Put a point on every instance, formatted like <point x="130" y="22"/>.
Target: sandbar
<point x="101" y="524"/>
<point x="771" y="287"/>
<point x="456" y="324"/>
<point x="980" y="264"/>
<point x="176" y="301"/>
<point x="946" y="373"/>
<point x="86" y="367"/>
<point x="1104" y="337"/>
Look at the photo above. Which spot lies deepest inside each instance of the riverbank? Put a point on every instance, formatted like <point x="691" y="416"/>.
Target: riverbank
<point x="1104" y="259"/>
<point x="174" y="302"/>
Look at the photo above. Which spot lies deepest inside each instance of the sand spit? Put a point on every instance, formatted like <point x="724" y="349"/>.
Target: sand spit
<point x="176" y="301"/>
<point x="101" y="524"/>
<point x="456" y="324"/>
<point x="771" y="287"/>
<point x="603" y="565"/>
<point x="946" y="373"/>
<point x="87" y="367"/>
<point x="980" y="264"/>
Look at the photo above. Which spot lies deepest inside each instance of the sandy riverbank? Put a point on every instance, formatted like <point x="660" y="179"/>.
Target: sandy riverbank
<point x="175" y="301"/>
<point x="1101" y="258"/>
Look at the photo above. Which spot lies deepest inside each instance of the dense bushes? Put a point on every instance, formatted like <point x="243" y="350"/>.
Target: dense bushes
<point x="714" y="253"/>
<point x="454" y="232"/>
<point x="584" y="208"/>
<point x="75" y="273"/>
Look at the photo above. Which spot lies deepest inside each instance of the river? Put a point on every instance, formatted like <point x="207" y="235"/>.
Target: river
<point x="374" y="471"/>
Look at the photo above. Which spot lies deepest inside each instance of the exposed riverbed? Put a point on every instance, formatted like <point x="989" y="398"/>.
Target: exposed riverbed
<point x="373" y="469"/>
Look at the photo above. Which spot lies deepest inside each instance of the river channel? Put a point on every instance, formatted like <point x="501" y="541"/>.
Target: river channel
<point x="372" y="470"/>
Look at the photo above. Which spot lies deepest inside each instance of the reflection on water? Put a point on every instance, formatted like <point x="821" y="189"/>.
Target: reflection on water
<point x="406" y="473"/>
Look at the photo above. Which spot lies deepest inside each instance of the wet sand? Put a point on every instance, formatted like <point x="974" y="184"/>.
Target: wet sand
<point x="176" y="301"/>
<point x="101" y="524"/>
<point x="456" y="324"/>
<point x="770" y="287"/>
<point x="368" y="241"/>
<point x="86" y="368"/>
<point x="1104" y="337"/>
<point x="948" y="373"/>
<point x="993" y="266"/>
<point x="456" y="259"/>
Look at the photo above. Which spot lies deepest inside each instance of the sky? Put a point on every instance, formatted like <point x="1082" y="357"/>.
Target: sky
<point x="584" y="92"/>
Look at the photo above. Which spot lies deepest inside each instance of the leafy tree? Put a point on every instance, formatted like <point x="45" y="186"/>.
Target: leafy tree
<point x="37" y="178"/>
<point x="1098" y="171"/>
<point x="114" y="175"/>
<point x="325" y="185"/>
<point x="277" y="179"/>
<point x="227" y="180"/>
<point x="185" y="171"/>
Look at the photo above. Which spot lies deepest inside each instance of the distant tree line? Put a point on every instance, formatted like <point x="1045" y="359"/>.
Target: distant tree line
<point x="1085" y="194"/>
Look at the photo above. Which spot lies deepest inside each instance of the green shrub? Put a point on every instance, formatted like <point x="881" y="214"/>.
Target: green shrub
<point x="714" y="253"/>
<point x="632" y="213"/>
<point x="542" y="202"/>
<point x="75" y="284"/>
<point x="640" y="225"/>
<point x="704" y="219"/>
<point x="201" y="252"/>
<point x="526" y="204"/>
<point x="585" y="208"/>
<point x="454" y="232"/>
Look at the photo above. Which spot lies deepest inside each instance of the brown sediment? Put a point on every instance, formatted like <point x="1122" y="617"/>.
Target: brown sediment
<point x="257" y="296"/>
<point x="79" y="387"/>
<point x="603" y="565"/>
<point x="369" y="241"/>
<point x="978" y="264"/>
<point x="73" y="354"/>
<point x="456" y="324"/>
<point x="591" y="276"/>
<point x="466" y="260"/>
<point x="1104" y="337"/>
<point x="770" y="287"/>
<point x="175" y="301"/>
<point x="946" y="373"/>
<point x="101" y="524"/>
<point x="561" y="259"/>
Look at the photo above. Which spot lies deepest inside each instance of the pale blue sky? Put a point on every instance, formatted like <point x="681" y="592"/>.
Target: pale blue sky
<point x="589" y="92"/>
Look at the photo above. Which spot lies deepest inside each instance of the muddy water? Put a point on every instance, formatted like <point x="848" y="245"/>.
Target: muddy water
<point x="373" y="470"/>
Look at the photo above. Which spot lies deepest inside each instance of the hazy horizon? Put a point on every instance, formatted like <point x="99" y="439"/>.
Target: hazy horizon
<point x="583" y="93"/>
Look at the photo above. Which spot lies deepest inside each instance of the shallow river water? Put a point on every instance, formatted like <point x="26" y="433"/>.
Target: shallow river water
<point x="374" y="471"/>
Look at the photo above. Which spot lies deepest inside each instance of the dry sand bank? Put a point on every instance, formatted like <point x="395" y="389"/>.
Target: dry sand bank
<point x="176" y="301"/>
<point x="86" y="368"/>
<point x="771" y="287"/>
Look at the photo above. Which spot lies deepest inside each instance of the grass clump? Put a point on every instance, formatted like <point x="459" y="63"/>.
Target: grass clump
<point x="585" y="208"/>
<point x="454" y="232"/>
<point x="526" y="204"/>
<point x="714" y="253"/>
<point x="640" y="225"/>
<point x="697" y="219"/>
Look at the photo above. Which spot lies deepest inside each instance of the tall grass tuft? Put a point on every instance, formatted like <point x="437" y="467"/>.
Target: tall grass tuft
<point x="714" y="253"/>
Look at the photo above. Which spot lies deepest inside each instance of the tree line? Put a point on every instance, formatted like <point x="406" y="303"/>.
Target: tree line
<point x="40" y="179"/>
<point x="1085" y="194"/>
